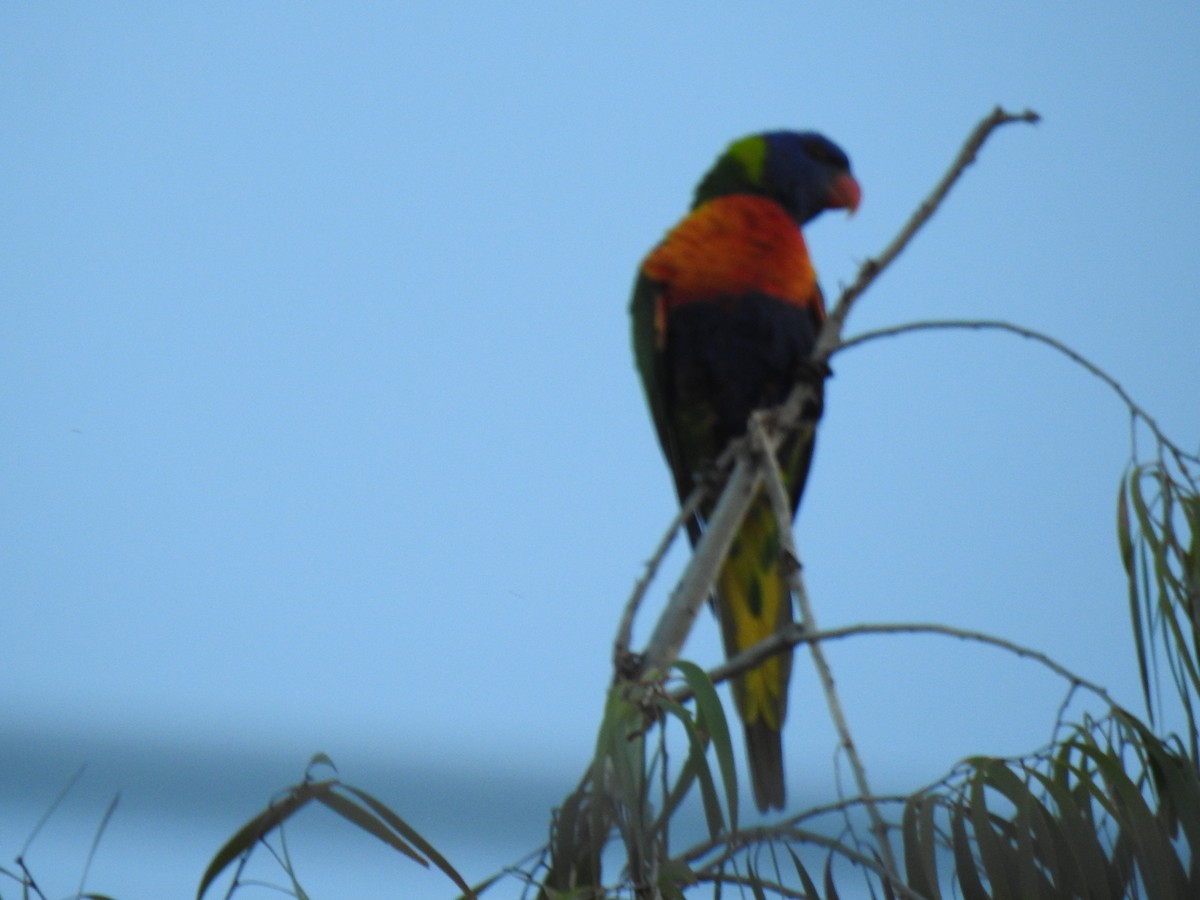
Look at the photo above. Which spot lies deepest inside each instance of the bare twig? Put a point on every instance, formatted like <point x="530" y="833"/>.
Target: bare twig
<point x="787" y="638"/>
<point x="757" y="881"/>
<point x="697" y="579"/>
<point x="781" y="504"/>
<point x="844" y="804"/>
<point x="623" y="662"/>
<point x="733" y="843"/>
<point x="998" y="325"/>
<point x="832" y="332"/>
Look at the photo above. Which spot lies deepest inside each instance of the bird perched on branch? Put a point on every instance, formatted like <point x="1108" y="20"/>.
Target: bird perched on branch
<point x="726" y="312"/>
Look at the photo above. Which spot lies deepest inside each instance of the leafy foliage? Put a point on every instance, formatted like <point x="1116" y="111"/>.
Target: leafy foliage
<point x="1095" y="815"/>
<point x="619" y="793"/>
<point x="1110" y="810"/>
<point x="1160" y="549"/>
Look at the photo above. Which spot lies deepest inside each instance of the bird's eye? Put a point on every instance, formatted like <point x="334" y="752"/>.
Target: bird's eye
<point x="823" y="152"/>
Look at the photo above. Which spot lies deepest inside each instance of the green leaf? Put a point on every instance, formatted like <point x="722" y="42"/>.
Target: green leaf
<point x="1035" y="833"/>
<point x="920" y="845"/>
<point x="1178" y="784"/>
<point x="710" y="715"/>
<point x="1082" y="859"/>
<point x="965" y="865"/>
<point x="259" y="827"/>
<point x="810" y="888"/>
<point x="359" y="816"/>
<point x="830" y="889"/>
<point x="699" y="767"/>
<point x="406" y="831"/>
<point x="1157" y="861"/>
<point x="318" y="759"/>
<point x="104" y="820"/>
<point x="1128" y="560"/>
<point x="673" y="876"/>
<point x="994" y="854"/>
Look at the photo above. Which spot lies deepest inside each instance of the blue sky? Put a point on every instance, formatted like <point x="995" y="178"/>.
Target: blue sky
<point x="321" y="426"/>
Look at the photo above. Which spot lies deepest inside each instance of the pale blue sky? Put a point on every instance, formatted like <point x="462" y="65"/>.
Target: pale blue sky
<point x="321" y="427"/>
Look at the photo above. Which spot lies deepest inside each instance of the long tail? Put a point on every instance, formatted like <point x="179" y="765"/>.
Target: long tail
<point x="753" y="601"/>
<point x="764" y="750"/>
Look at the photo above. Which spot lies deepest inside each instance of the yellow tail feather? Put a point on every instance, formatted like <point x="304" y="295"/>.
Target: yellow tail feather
<point x="753" y="601"/>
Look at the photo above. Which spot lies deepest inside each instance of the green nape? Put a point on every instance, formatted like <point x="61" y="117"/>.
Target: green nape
<point x="752" y="151"/>
<point x="738" y="171"/>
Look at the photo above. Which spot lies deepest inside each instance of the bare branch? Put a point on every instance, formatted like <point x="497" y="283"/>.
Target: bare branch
<point x="998" y="325"/>
<point x="730" y="844"/>
<point x="790" y="637"/>
<point x="832" y="332"/>
<point x="697" y="579"/>
<point x="623" y="662"/>
<point x="756" y="881"/>
<point x="782" y="506"/>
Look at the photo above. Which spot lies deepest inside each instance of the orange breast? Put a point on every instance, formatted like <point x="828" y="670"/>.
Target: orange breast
<point x="735" y="245"/>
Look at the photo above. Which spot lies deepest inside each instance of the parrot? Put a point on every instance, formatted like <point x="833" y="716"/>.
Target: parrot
<point x="725" y="314"/>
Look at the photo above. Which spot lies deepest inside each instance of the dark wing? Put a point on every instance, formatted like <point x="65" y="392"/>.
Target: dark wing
<point x="650" y="354"/>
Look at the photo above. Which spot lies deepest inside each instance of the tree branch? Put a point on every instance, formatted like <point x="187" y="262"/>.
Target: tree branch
<point x="787" y="638"/>
<point x="733" y="843"/>
<point x="782" y="506"/>
<point x="696" y="582"/>
<point x="998" y="325"/>
<point x="832" y="332"/>
<point x="625" y="662"/>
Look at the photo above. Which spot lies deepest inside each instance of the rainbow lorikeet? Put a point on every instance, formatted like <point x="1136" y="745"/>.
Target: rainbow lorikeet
<point x="726" y="312"/>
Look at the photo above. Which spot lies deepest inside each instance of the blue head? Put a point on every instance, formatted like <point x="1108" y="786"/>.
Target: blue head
<point x="802" y="171"/>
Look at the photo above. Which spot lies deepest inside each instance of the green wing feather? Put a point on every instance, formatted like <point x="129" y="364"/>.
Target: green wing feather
<point x="651" y="362"/>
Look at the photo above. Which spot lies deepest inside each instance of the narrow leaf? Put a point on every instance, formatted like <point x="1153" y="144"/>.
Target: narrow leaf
<point x="711" y="717"/>
<point x="708" y="789"/>
<point x="359" y="816"/>
<point x="410" y="834"/>
<point x="965" y="865"/>
<point x="259" y="827"/>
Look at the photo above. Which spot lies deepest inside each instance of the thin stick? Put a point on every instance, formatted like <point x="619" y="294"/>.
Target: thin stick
<point x="730" y="844"/>
<point x="782" y="506"/>
<point x="787" y="638"/>
<point x="697" y="580"/>
<point x="999" y="325"/>
<point x="832" y="332"/>
<point x="108" y="813"/>
<point x="622" y="663"/>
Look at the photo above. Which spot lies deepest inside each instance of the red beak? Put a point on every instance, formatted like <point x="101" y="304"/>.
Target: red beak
<point x="845" y="193"/>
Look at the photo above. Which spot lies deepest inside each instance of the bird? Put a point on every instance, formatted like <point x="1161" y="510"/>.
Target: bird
<point x="726" y="311"/>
